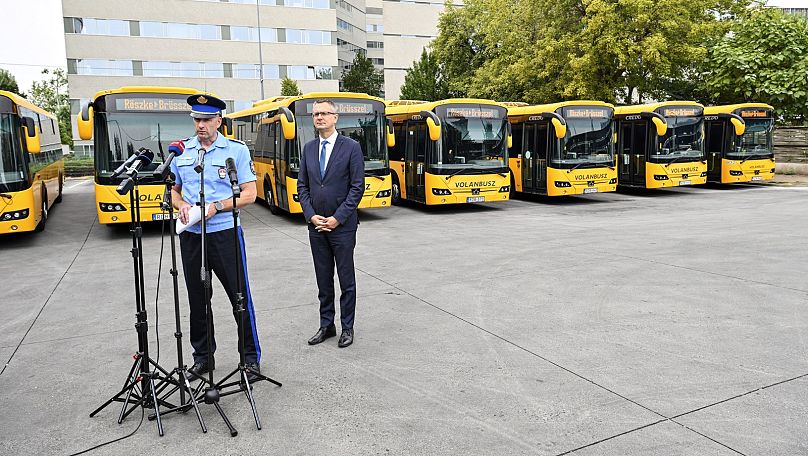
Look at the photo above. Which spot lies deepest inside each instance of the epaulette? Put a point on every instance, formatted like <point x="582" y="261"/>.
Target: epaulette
<point x="236" y="140"/>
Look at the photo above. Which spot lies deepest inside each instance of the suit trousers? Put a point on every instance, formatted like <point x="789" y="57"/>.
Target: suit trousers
<point x="327" y="249"/>
<point x="223" y="260"/>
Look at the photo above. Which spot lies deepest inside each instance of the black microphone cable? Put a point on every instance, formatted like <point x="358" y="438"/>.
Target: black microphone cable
<point x="142" y="415"/>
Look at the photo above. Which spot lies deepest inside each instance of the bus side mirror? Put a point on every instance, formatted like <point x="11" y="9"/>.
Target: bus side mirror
<point x="391" y="137"/>
<point x="661" y="126"/>
<point x="433" y="124"/>
<point x="84" y="122"/>
<point x="227" y="128"/>
<point x="287" y="123"/>
<point x="509" y="142"/>
<point x="740" y="126"/>
<point x="558" y="122"/>
<point x="31" y="135"/>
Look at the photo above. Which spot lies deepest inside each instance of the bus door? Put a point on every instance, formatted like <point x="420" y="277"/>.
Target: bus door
<point x="279" y="151"/>
<point x="715" y="147"/>
<point x="534" y="168"/>
<point x="633" y="150"/>
<point x="415" y="159"/>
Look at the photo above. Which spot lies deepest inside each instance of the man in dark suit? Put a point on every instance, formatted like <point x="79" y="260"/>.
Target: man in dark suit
<point x="330" y="186"/>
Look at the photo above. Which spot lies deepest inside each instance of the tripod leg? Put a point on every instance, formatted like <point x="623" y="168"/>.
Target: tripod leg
<point x="132" y="379"/>
<point x="233" y="431"/>
<point x="192" y="398"/>
<point x="156" y="407"/>
<point x="248" y="392"/>
<point x="126" y="385"/>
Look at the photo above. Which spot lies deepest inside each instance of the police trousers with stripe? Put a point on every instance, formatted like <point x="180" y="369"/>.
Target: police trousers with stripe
<point x="223" y="260"/>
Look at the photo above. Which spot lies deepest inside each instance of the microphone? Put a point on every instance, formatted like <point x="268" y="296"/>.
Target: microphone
<point x="175" y="149"/>
<point x="119" y="170"/>
<point x="230" y="164"/>
<point x="144" y="159"/>
<point x="200" y="159"/>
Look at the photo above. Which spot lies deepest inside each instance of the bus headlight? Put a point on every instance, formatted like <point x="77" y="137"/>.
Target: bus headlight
<point x="613" y="180"/>
<point x="562" y="184"/>
<point x="733" y="172"/>
<point x="111" y="207"/>
<point x="505" y="189"/>
<point x="772" y="171"/>
<point x="14" y="215"/>
<point x="383" y="194"/>
<point x="703" y="174"/>
<point x="441" y="191"/>
<point x="660" y="177"/>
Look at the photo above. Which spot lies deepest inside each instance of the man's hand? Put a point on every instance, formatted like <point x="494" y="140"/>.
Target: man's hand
<point x="182" y="213"/>
<point x="211" y="211"/>
<point x="329" y="224"/>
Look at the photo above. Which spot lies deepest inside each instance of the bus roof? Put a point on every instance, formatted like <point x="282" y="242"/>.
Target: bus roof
<point x="729" y="109"/>
<point x="538" y="109"/>
<point x="150" y="89"/>
<point x="638" y="109"/>
<point x="18" y="100"/>
<point x="430" y="105"/>
<point x="272" y="103"/>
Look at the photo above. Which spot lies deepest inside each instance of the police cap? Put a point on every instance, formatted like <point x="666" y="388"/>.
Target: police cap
<point x="204" y="106"/>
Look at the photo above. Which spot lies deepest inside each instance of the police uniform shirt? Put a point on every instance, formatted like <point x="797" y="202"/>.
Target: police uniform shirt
<point x="217" y="183"/>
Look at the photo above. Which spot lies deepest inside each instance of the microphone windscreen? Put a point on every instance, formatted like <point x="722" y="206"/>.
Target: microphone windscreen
<point x="146" y="157"/>
<point x="177" y="148"/>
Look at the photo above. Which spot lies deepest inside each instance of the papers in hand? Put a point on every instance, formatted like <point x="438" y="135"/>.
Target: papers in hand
<point x="194" y="216"/>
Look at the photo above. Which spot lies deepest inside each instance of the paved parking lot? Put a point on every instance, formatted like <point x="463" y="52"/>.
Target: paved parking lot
<point x="666" y="323"/>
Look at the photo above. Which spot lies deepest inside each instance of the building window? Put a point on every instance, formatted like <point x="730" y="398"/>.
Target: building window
<point x="177" y="30"/>
<point x="98" y="67"/>
<point x="320" y="4"/>
<point x="250" y="71"/>
<point x="183" y="69"/>
<point x="308" y="36"/>
<point x="89" y="26"/>
<point x="268" y="35"/>
<point x="377" y="61"/>
<point x="375" y="45"/>
<point x="374" y="28"/>
<point x="252" y="2"/>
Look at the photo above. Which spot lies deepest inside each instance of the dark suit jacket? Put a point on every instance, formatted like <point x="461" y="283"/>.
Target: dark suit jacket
<point x="339" y="192"/>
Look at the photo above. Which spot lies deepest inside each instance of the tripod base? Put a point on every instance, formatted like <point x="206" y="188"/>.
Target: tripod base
<point x="244" y="384"/>
<point x="141" y="389"/>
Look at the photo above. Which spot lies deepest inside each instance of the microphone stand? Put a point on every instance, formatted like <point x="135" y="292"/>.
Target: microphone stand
<point x="242" y="369"/>
<point x="181" y="369"/>
<point x="140" y="387"/>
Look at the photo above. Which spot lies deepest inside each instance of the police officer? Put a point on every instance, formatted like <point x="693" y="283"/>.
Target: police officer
<point x="222" y="256"/>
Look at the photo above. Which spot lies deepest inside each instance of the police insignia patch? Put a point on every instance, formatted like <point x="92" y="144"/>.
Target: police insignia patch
<point x="252" y="167"/>
<point x="222" y="173"/>
<point x="202" y="100"/>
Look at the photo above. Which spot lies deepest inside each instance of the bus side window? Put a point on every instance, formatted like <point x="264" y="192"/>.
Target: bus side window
<point x="516" y="131"/>
<point x="271" y="149"/>
<point x="716" y="135"/>
<point x="640" y="139"/>
<point x="396" y="153"/>
<point x="542" y="139"/>
<point x="422" y="142"/>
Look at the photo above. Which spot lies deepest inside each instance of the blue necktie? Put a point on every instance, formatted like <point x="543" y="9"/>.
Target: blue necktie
<point x="322" y="159"/>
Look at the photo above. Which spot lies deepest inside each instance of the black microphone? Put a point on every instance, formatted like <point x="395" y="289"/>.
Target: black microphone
<point x="175" y="149"/>
<point x="119" y="170"/>
<point x="144" y="159"/>
<point x="198" y="167"/>
<point x="230" y="164"/>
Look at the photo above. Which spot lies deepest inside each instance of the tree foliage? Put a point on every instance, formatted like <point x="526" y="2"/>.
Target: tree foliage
<point x="289" y="87"/>
<point x="363" y="77"/>
<point x="552" y="50"/>
<point x="424" y="81"/>
<point x="8" y="82"/>
<point x="51" y="95"/>
<point x="764" y="59"/>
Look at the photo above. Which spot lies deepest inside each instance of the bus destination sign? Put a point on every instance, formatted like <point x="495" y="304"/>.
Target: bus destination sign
<point x="151" y="104"/>
<point x="476" y="113"/>
<point x="755" y="113"/>
<point x="681" y="112"/>
<point x="344" y="107"/>
<point x="588" y="113"/>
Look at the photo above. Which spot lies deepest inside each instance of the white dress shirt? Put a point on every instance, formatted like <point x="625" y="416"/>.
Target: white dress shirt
<point x="328" y="148"/>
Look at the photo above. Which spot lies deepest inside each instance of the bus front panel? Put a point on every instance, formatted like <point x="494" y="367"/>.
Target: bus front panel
<point x="20" y="212"/>
<point x="581" y="181"/>
<point x="459" y="189"/>
<point x="658" y="175"/>
<point x="735" y="171"/>
<point x="377" y="192"/>
<point x="114" y="208"/>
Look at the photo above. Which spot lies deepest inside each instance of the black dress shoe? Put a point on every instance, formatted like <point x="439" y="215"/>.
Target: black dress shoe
<point x="200" y="368"/>
<point x="346" y="338"/>
<point x="252" y="369"/>
<point x="323" y="334"/>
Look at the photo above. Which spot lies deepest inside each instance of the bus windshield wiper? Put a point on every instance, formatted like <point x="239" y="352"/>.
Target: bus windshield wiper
<point x="370" y="174"/>
<point x="5" y="196"/>
<point x="674" y="159"/>
<point x="455" y="173"/>
<point x="754" y="155"/>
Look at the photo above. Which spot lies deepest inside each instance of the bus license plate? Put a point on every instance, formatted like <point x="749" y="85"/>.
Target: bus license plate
<point x="158" y="217"/>
<point x="475" y="199"/>
<point x="757" y="178"/>
<point x="590" y="190"/>
<point x="684" y="182"/>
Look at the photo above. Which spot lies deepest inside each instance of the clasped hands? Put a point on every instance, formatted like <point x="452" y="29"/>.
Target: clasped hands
<point x="324" y="224"/>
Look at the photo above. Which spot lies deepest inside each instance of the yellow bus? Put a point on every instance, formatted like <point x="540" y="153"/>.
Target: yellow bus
<point x="450" y="151"/>
<point x="563" y="148"/>
<point x="120" y="122"/>
<point x="31" y="164"/>
<point x="739" y="142"/>
<point x="276" y="129"/>
<point x="661" y="144"/>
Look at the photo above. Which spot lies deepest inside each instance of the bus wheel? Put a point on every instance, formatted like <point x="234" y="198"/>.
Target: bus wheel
<point x="61" y="185"/>
<point x="41" y="226"/>
<point x="270" y="200"/>
<point x="395" y="191"/>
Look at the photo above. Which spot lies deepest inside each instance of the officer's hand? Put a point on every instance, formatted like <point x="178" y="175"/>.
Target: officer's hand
<point x="211" y="211"/>
<point x="330" y="224"/>
<point x="183" y="213"/>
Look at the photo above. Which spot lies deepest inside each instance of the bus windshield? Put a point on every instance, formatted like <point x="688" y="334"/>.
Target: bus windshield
<point x="366" y="129"/>
<point x="756" y="141"/>
<point x="120" y="134"/>
<point x="682" y="142"/>
<point x="474" y="138"/>
<point x="588" y="142"/>
<point x="12" y="165"/>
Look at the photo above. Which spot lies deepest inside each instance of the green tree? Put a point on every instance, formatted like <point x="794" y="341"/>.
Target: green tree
<point x="363" y="77"/>
<point x="764" y="59"/>
<point x="289" y="87"/>
<point x="424" y="81"/>
<point x="8" y="82"/>
<point x="51" y="94"/>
